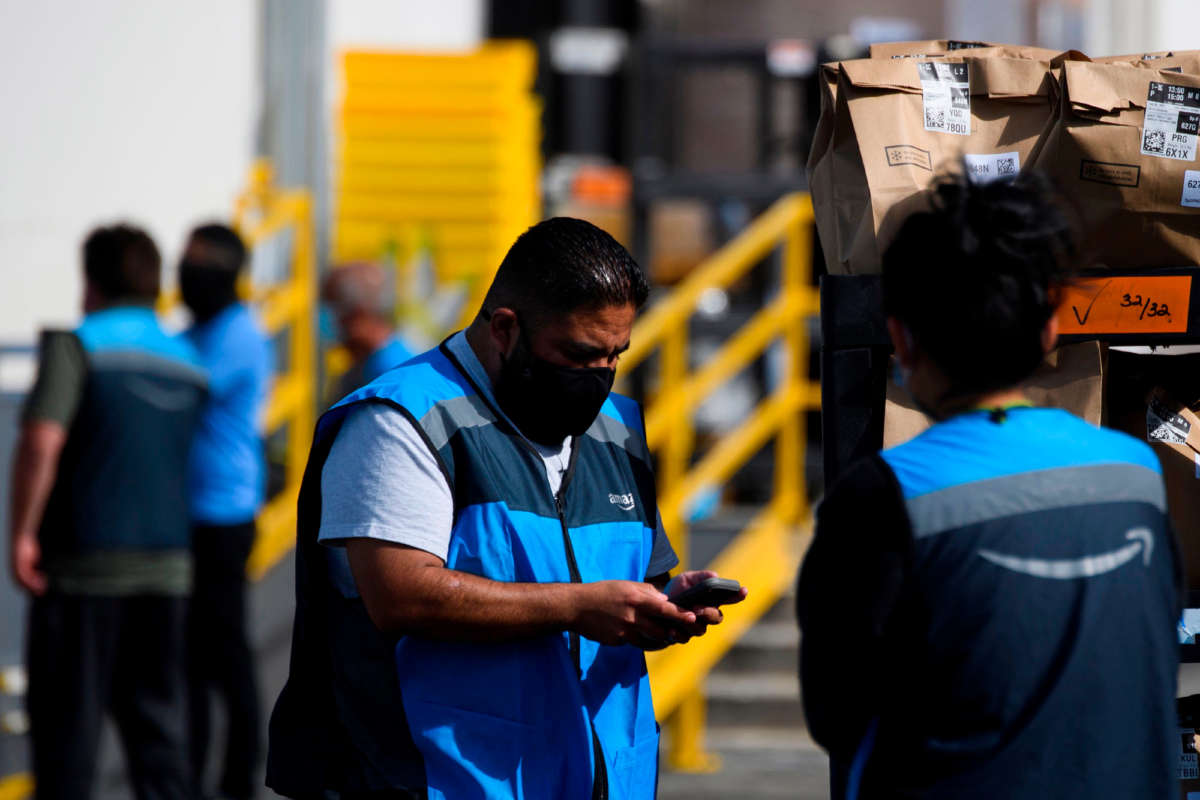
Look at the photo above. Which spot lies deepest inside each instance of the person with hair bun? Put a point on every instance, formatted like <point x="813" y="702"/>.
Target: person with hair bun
<point x="989" y="609"/>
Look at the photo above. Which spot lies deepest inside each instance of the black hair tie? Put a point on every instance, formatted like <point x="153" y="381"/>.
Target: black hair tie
<point x="998" y="415"/>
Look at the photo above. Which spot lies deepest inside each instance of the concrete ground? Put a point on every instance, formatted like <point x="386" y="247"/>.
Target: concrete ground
<point x="795" y="770"/>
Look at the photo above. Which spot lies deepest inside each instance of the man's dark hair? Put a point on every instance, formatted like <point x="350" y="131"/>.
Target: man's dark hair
<point x="228" y="248"/>
<point x="562" y="265"/>
<point x="976" y="278"/>
<point x="121" y="261"/>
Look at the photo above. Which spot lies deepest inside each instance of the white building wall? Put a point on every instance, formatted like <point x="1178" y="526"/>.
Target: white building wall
<point x="137" y="110"/>
<point x="1130" y="26"/>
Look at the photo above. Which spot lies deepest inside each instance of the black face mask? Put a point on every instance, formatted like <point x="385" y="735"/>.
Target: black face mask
<point x="206" y="290"/>
<point x="548" y="402"/>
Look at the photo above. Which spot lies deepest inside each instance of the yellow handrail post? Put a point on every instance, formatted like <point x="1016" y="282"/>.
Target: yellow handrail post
<point x="789" y="444"/>
<point x="263" y="212"/>
<point x="686" y="725"/>
<point x="765" y="554"/>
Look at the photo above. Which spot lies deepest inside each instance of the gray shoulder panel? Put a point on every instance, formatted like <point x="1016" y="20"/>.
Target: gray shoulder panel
<point x="612" y="431"/>
<point x="464" y="411"/>
<point x="1027" y="492"/>
<point x="140" y="360"/>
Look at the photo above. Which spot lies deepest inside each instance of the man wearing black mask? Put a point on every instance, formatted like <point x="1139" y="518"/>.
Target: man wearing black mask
<point x="478" y="539"/>
<point x="226" y="480"/>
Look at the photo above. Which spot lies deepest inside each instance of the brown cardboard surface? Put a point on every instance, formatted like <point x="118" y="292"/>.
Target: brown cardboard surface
<point x="1129" y="203"/>
<point x="1142" y="398"/>
<point x="820" y="162"/>
<point x="940" y="47"/>
<point x="1070" y="378"/>
<point x="1186" y="61"/>
<point x="882" y="158"/>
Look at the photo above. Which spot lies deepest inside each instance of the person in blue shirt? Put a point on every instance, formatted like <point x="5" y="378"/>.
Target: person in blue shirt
<point x="100" y="531"/>
<point x="989" y="609"/>
<point x="226" y="483"/>
<point x="361" y="301"/>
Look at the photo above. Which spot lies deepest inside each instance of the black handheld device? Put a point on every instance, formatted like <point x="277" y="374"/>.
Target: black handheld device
<point x="709" y="593"/>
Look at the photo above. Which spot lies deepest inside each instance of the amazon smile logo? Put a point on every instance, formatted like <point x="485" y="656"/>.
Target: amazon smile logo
<point x="622" y="501"/>
<point x="1141" y="541"/>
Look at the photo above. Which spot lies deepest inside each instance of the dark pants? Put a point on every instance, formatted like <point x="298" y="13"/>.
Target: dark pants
<point x="124" y="655"/>
<point x="219" y="655"/>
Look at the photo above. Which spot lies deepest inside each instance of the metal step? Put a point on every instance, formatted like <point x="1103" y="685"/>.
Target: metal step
<point x="759" y="699"/>
<point x="770" y="647"/>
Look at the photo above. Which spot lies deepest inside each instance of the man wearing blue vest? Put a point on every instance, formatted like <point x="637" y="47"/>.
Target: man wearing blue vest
<point x="480" y="561"/>
<point x="226" y="483"/>
<point x="360" y="301"/>
<point x="100" y="531"/>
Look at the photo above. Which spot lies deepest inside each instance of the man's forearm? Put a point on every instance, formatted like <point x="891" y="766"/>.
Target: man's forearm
<point x="408" y="591"/>
<point x="35" y="466"/>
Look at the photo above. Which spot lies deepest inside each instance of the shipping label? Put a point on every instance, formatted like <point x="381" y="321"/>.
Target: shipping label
<point x="1191" y="189"/>
<point x="1188" y="767"/>
<point x="1164" y="425"/>
<point x="1172" y="121"/>
<point x="946" y="91"/>
<point x="992" y="166"/>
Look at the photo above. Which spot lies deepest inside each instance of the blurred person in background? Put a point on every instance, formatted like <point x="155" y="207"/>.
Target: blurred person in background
<point x="100" y="529"/>
<point x="226" y="483"/>
<point x="480" y="562"/>
<point x="361" y="301"/>
<point x="989" y="610"/>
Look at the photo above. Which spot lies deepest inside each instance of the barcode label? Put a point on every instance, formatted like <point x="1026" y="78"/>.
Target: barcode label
<point x="1187" y="766"/>
<point x="1172" y="122"/>
<point x="989" y="167"/>
<point x="946" y="95"/>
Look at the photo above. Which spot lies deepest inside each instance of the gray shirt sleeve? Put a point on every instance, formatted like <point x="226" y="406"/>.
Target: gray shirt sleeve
<point x="662" y="555"/>
<point x="381" y="481"/>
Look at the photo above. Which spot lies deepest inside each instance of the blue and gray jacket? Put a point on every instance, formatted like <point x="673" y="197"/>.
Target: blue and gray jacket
<point x="557" y="716"/>
<point x="989" y="611"/>
<point x="121" y="481"/>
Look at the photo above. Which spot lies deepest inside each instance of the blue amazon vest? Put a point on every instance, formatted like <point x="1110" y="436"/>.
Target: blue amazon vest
<point x="557" y="716"/>
<point x="121" y="481"/>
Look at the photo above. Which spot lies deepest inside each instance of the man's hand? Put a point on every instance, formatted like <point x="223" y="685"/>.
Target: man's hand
<point x="704" y="616"/>
<point x="25" y="555"/>
<point x="627" y="612"/>
<point x="35" y="466"/>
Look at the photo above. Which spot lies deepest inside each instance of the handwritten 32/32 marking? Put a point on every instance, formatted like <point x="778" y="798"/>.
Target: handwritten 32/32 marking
<point x="1127" y="304"/>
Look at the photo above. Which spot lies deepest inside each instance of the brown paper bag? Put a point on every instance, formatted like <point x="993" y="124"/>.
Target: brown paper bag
<point x="924" y="49"/>
<point x="820" y="162"/>
<point x="1186" y="61"/>
<point x="1071" y="378"/>
<point x="947" y="47"/>
<point x="1134" y="176"/>
<point x="898" y="124"/>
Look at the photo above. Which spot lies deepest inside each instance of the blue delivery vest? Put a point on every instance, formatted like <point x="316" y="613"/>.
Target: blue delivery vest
<point x="547" y="717"/>
<point x="1043" y="657"/>
<point x="121" y="478"/>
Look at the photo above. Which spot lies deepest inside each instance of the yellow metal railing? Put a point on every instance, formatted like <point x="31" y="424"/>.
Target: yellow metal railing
<point x="765" y="555"/>
<point x="269" y="217"/>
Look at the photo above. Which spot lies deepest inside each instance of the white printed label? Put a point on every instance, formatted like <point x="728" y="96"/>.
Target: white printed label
<point x="1191" y="189"/>
<point x="987" y="168"/>
<point x="1188" y="766"/>
<point x="1172" y="122"/>
<point x="946" y="91"/>
<point x="1163" y="425"/>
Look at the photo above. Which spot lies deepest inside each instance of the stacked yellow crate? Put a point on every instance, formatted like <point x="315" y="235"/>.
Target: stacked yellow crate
<point x="440" y="150"/>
